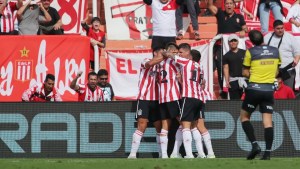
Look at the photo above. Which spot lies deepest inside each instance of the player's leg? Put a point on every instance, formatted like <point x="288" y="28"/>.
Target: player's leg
<point x="204" y="132"/>
<point x="198" y="140"/>
<point x="142" y="114"/>
<point x="187" y="117"/>
<point x="166" y="122"/>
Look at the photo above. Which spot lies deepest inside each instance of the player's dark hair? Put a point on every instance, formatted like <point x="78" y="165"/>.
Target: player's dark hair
<point x="102" y="72"/>
<point x="92" y="74"/>
<point x="185" y="46"/>
<point x="156" y="49"/>
<point x="256" y="37"/>
<point x="196" y="55"/>
<point x="171" y="45"/>
<point x="50" y="76"/>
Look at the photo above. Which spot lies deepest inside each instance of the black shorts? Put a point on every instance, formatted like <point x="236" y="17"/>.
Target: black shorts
<point x="169" y="110"/>
<point x="190" y="108"/>
<point x="265" y="100"/>
<point x="161" y="41"/>
<point x="200" y="114"/>
<point x="148" y="110"/>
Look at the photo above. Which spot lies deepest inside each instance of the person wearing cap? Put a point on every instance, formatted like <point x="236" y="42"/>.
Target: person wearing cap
<point x="97" y="36"/>
<point x="106" y="87"/>
<point x="288" y="47"/>
<point x="282" y="91"/>
<point x="29" y="17"/>
<point x="228" y="22"/>
<point x="232" y="67"/>
<point x="54" y="27"/>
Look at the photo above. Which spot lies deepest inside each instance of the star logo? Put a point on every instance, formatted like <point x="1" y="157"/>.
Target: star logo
<point x="24" y="52"/>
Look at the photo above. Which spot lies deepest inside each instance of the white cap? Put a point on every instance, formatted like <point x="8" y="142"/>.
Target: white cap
<point x="233" y="36"/>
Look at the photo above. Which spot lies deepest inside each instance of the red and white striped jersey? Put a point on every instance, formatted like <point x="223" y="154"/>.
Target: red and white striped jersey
<point x="206" y="95"/>
<point x="169" y="89"/>
<point x="148" y="86"/>
<point x="7" y="19"/>
<point x="191" y="77"/>
<point x="37" y="94"/>
<point x="86" y="95"/>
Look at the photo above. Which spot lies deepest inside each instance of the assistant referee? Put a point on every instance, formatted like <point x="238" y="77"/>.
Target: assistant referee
<point x="260" y="65"/>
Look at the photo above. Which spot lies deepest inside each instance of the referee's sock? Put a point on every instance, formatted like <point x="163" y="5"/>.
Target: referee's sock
<point x="249" y="131"/>
<point x="269" y="136"/>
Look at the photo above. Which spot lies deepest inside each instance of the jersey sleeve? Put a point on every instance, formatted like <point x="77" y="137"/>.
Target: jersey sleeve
<point x="247" y="59"/>
<point x="181" y="61"/>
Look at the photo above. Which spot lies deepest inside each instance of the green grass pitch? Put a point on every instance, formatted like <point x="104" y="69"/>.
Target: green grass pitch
<point x="145" y="163"/>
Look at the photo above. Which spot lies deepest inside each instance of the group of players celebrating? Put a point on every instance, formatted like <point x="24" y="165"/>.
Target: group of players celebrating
<point x="171" y="85"/>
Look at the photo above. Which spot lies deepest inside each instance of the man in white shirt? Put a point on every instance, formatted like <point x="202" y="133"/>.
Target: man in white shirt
<point x="288" y="48"/>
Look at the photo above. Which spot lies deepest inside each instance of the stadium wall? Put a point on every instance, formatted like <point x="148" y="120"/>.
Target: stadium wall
<point x="79" y="130"/>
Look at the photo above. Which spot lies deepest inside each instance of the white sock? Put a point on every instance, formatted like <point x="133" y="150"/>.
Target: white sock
<point x="136" y="141"/>
<point x="207" y="142"/>
<point x="198" y="141"/>
<point x="164" y="142"/>
<point x="187" y="141"/>
<point x="178" y="141"/>
<point x="158" y="144"/>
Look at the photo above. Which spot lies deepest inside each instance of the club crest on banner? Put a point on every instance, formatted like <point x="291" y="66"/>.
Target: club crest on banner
<point x="24" y="66"/>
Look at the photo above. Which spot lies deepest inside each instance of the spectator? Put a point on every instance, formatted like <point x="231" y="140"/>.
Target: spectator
<point x="192" y="7"/>
<point x="29" y="18"/>
<point x="42" y="93"/>
<point x="282" y="91"/>
<point x="228" y="22"/>
<point x="54" y="27"/>
<point x="263" y="13"/>
<point x="294" y="17"/>
<point x="164" y="21"/>
<point x="97" y="37"/>
<point x="7" y="10"/>
<point x="288" y="47"/>
<point x="108" y="92"/>
<point x="241" y="8"/>
<point x="232" y="66"/>
<point x="90" y="92"/>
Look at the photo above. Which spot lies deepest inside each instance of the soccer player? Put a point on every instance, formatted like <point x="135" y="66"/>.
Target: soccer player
<point x="147" y="101"/>
<point x="169" y="95"/>
<point x="42" y="93"/>
<point x="191" y="97"/>
<point x="263" y="62"/>
<point x="90" y="92"/>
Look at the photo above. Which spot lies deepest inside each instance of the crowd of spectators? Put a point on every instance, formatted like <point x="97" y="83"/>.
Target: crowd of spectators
<point x="39" y="18"/>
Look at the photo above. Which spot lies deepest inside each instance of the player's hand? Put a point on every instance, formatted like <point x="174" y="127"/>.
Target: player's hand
<point x="79" y="73"/>
<point x="250" y="16"/>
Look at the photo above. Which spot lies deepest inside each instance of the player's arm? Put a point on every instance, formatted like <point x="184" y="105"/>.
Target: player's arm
<point x="74" y="81"/>
<point x="211" y="7"/>
<point x="154" y="61"/>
